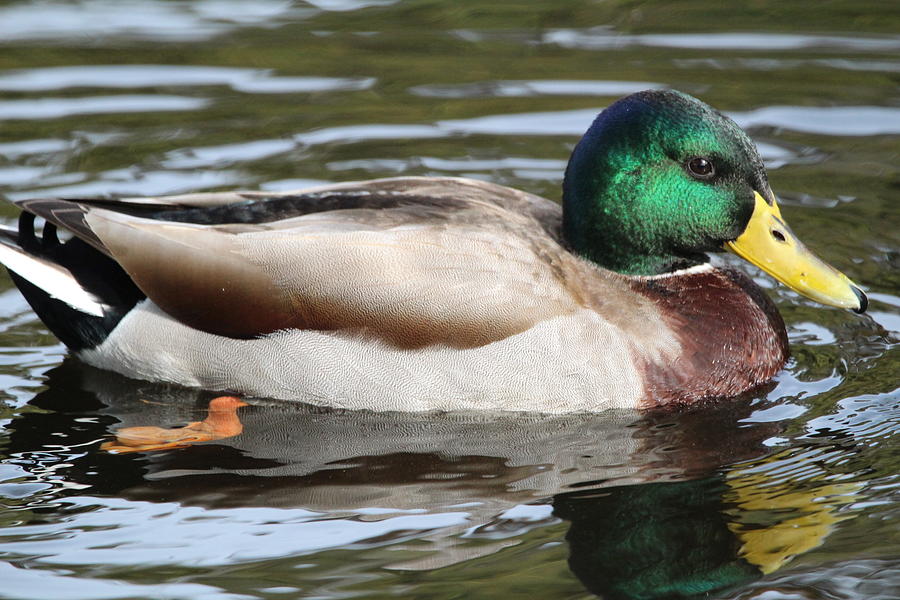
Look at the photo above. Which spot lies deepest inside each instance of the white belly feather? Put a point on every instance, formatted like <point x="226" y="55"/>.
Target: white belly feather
<point x="570" y="363"/>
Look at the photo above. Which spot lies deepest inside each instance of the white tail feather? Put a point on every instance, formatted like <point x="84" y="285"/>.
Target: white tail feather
<point x="57" y="281"/>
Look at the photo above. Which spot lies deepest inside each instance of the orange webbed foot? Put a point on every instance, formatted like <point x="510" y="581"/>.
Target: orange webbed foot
<point x="221" y="422"/>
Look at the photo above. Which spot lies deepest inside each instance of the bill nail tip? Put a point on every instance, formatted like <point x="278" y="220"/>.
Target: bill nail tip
<point x="862" y="299"/>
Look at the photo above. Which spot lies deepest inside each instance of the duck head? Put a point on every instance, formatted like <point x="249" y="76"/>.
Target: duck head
<point x="660" y="179"/>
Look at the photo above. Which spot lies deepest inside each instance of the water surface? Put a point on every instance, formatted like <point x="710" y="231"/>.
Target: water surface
<point x="788" y="493"/>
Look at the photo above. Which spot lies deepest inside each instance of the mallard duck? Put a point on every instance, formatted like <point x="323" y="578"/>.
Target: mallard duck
<point x="437" y="293"/>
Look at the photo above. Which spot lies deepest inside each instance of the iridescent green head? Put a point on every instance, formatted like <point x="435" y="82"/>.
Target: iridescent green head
<point x="660" y="179"/>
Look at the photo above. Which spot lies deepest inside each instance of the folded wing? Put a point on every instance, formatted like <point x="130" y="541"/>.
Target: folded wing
<point x="411" y="270"/>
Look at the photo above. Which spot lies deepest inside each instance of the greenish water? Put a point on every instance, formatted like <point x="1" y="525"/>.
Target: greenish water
<point x="788" y="494"/>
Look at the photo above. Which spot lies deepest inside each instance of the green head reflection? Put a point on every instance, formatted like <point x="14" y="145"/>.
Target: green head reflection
<point x="685" y="539"/>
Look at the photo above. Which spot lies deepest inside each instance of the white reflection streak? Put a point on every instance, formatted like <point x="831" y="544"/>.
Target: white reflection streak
<point x="13" y="150"/>
<point x="602" y="38"/>
<point x="52" y="108"/>
<point x="140" y="183"/>
<point x="204" y="537"/>
<point x="140" y="76"/>
<point x="91" y="21"/>
<point x="192" y="158"/>
<point x="545" y="87"/>
<point x="43" y="584"/>
<point x="826" y="120"/>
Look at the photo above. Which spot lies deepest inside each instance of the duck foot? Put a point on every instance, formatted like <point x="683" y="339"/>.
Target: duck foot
<point x="221" y="422"/>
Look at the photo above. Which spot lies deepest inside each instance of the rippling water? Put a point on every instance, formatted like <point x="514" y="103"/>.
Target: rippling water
<point x="788" y="494"/>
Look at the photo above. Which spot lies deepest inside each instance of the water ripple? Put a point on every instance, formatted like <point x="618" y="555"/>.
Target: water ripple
<point x="43" y="584"/>
<point x="90" y="21"/>
<point x="54" y="108"/>
<point x="129" y="182"/>
<point x="253" y="81"/>
<point x="775" y="64"/>
<point x="500" y="89"/>
<point x="12" y="150"/>
<point x="109" y="531"/>
<point x="825" y="120"/>
<point x="871" y="579"/>
<point x="191" y="158"/>
<point x="604" y="38"/>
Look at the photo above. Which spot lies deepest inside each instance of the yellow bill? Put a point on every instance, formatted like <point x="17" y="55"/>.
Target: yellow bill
<point x="768" y="243"/>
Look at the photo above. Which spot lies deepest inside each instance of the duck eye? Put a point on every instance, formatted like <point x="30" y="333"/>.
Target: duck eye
<point x="701" y="168"/>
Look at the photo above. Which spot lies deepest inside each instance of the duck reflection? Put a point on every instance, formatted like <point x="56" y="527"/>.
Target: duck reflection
<point x="686" y="539"/>
<point x="655" y="540"/>
<point x="659" y="505"/>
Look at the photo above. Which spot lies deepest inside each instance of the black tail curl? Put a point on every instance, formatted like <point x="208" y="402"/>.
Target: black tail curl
<point x="91" y="269"/>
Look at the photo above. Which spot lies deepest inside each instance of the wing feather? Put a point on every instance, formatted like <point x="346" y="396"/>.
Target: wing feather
<point x="411" y="261"/>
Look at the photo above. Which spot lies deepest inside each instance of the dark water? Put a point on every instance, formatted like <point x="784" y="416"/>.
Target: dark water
<point x="790" y="494"/>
